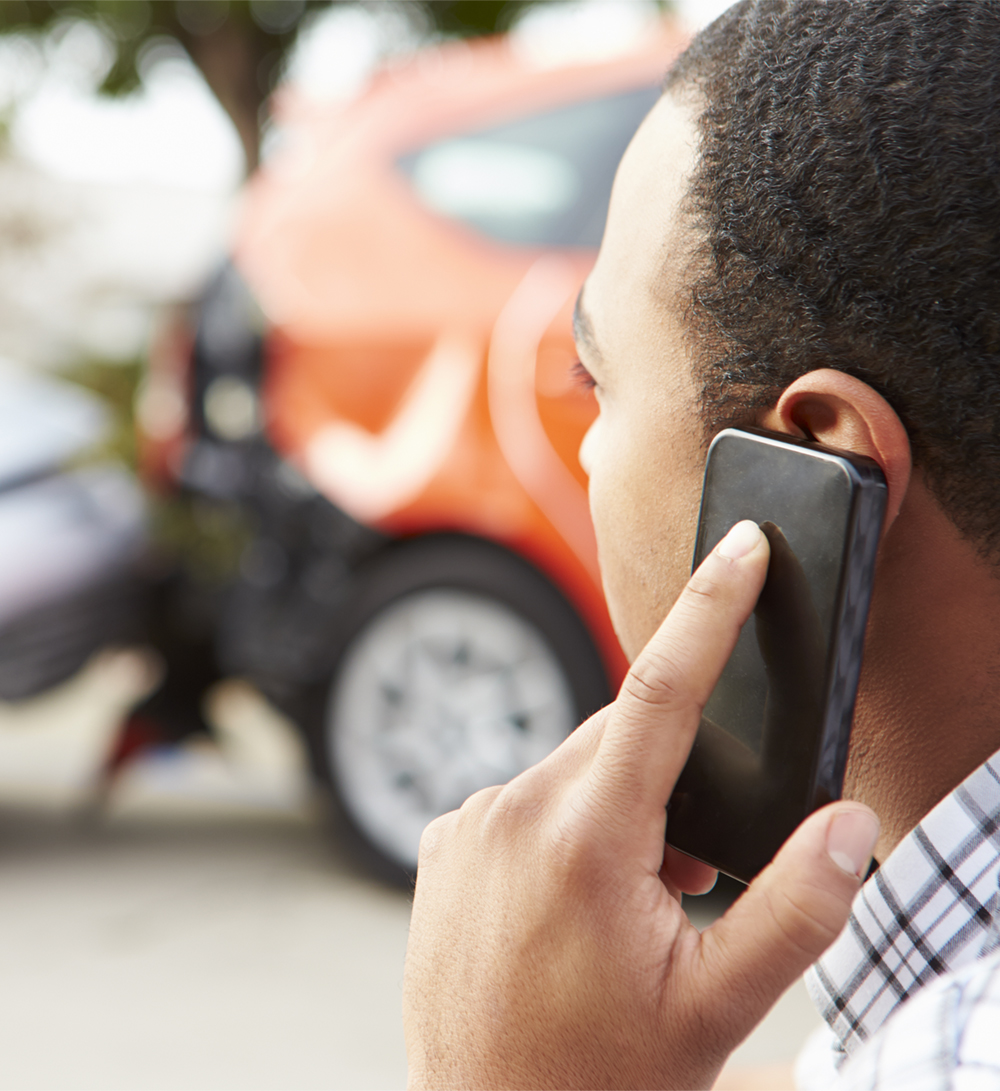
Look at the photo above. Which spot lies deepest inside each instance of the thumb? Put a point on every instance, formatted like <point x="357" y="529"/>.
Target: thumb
<point x="789" y="915"/>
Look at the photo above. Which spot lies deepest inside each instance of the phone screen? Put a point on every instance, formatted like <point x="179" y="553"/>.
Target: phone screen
<point x="773" y="739"/>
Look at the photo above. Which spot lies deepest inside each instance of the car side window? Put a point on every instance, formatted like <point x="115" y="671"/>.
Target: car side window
<point x="542" y="180"/>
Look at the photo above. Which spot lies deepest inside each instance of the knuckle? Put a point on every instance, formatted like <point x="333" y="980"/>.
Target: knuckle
<point x="457" y="823"/>
<point x="476" y="806"/>
<point x="433" y="837"/>
<point x="553" y="831"/>
<point x="506" y="816"/>
<point x="656" y="681"/>
<point x="513" y="805"/>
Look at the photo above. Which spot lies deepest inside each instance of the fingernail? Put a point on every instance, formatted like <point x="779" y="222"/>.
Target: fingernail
<point x="740" y="541"/>
<point x="850" y="841"/>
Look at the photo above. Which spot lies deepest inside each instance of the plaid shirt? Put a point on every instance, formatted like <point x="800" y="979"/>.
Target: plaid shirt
<point x="927" y="923"/>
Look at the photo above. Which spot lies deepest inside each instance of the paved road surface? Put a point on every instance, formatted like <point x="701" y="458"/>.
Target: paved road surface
<point x="203" y="931"/>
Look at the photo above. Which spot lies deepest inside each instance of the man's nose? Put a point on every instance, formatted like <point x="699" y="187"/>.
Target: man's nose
<point x="588" y="448"/>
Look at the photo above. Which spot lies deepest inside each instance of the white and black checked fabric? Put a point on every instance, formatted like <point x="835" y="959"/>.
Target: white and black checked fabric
<point x="930" y="910"/>
<point x="945" y="1039"/>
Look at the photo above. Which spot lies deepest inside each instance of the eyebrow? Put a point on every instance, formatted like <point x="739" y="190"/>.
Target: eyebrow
<point x="583" y="329"/>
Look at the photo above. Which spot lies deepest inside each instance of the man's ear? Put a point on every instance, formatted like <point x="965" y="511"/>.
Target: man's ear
<point x="841" y="411"/>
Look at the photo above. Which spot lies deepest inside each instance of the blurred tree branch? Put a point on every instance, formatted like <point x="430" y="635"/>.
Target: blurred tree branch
<point x="237" y="45"/>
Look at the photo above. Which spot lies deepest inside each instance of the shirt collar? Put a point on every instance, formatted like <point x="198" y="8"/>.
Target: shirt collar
<point x="931" y="908"/>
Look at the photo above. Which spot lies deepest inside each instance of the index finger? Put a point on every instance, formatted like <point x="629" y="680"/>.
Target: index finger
<point x="652" y="723"/>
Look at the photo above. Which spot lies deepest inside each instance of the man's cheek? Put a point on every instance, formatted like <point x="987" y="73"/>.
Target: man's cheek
<point x="626" y="509"/>
<point x="626" y="588"/>
<point x="612" y="554"/>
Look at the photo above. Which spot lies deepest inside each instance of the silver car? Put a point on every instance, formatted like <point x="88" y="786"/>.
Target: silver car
<point x="72" y="534"/>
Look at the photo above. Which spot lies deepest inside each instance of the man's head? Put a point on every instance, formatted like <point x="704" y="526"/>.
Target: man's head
<point x="805" y="235"/>
<point x="847" y="198"/>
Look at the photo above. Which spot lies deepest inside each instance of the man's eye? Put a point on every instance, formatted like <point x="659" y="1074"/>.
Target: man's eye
<point x="581" y="376"/>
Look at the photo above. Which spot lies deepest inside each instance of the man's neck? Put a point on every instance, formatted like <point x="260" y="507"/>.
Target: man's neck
<point x="929" y="704"/>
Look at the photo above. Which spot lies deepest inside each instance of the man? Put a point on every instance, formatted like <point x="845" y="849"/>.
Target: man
<point x="803" y="236"/>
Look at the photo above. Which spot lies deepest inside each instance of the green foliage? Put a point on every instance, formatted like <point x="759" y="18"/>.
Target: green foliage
<point x="238" y="45"/>
<point x="116" y="385"/>
<point x="205" y="537"/>
<point x="269" y="26"/>
<point x="6" y="124"/>
<point x="473" y="18"/>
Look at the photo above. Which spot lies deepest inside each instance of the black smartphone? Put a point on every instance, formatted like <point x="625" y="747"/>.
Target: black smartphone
<point x="772" y="744"/>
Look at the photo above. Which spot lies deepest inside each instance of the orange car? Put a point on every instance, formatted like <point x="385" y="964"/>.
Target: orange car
<point x="383" y="376"/>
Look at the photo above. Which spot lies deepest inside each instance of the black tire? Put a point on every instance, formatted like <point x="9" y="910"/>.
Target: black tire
<point x="492" y="599"/>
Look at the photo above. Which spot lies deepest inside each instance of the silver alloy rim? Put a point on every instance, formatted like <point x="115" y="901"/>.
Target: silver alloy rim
<point x="442" y="693"/>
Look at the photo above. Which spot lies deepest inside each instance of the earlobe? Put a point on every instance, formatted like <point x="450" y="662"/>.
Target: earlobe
<point x="843" y="412"/>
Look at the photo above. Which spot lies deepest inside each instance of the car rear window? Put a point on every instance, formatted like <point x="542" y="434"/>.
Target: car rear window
<point x="542" y="180"/>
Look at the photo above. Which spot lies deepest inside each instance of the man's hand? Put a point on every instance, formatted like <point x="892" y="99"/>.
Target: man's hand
<point x="548" y="948"/>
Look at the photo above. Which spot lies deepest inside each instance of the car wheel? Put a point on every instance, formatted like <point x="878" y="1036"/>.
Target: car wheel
<point x="461" y="667"/>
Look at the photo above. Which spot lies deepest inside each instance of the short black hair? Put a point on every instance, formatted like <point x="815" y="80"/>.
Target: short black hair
<point x="847" y="197"/>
